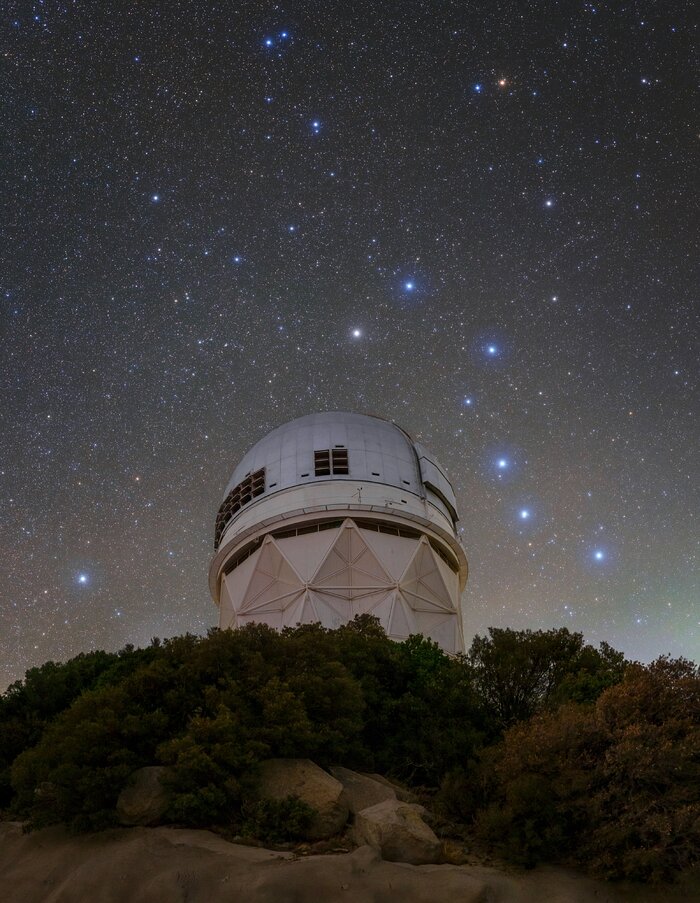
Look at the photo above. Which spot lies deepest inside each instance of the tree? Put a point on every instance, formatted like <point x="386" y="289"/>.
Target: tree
<point x="28" y="706"/>
<point x="613" y="786"/>
<point x="518" y="672"/>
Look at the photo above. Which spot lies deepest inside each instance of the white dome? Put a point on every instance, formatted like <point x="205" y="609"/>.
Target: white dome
<point x="377" y="451"/>
<point x="336" y="515"/>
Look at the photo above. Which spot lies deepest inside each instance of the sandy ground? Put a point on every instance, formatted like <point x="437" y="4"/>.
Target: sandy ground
<point x="165" y="865"/>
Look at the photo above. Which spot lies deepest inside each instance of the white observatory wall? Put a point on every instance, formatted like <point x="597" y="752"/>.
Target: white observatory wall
<point x="335" y="495"/>
<point x="332" y="575"/>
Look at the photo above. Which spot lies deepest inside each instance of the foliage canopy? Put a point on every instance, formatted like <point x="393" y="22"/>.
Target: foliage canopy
<point x="546" y="748"/>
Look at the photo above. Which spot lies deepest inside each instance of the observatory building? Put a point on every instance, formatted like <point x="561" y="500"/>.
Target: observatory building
<point x="335" y="515"/>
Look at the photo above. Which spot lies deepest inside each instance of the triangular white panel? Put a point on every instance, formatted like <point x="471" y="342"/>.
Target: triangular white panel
<point x="367" y="603"/>
<point x="272" y="561"/>
<point x="227" y="612"/>
<point x="292" y="614"/>
<point x="402" y="623"/>
<point x="422" y="582"/>
<point x="332" y="575"/>
<point x="309" y="615"/>
<point x="332" y="611"/>
<point x="260" y="582"/>
<point x="335" y="567"/>
<point x="239" y="578"/>
<point x="306" y="552"/>
<point x="420" y="603"/>
<point x="277" y="602"/>
<point x="351" y="565"/>
<point x="339" y="606"/>
<point x="382" y="608"/>
<point x="367" y="571"/>
<point x="440" y="628"/>
<point x="394" y="552"/>
<point x="274" y="578"/>
<point x="449" y="577"/>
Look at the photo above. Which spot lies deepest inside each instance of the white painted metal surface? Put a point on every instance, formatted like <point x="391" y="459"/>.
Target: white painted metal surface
<point x="378" y="539"/>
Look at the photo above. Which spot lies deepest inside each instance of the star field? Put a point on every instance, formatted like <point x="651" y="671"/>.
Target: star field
<point x="475" y="219"/>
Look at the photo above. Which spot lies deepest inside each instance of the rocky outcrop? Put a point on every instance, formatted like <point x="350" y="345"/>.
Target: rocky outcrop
<point x="144" y="800"/>
<point x="361" y="791"/>
<point x="280" y="778"/>
<point x="401" y="793"/>
<point x="397" y="831"/>
<point x="155" y="865"/>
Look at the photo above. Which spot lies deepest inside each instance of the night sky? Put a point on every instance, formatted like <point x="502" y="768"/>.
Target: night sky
<point x="476" y="219"/>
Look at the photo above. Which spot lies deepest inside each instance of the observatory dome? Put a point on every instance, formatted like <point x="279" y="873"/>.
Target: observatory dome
<point x="378" y="451"/>
<point x="336" y="514"/>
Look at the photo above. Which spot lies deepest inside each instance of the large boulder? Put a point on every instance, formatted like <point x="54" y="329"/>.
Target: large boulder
<point x="401" y="793"/>
<point x="280" y="778"/>
<point x="397" y="831"/>
<point x="359" y="790"/>
<point x="144" y="800"/>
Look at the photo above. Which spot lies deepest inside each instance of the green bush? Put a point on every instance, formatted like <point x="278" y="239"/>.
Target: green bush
<point x="613" y="786"/>
<point x="600" y="765"/>
<point x="277" y="821"/>
<point x="520" y="672"/>
<point x="212" y="708"/>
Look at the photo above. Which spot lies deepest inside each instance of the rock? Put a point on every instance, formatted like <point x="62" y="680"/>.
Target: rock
<point x="455" y="853"/>
<point x="153" y="865"/>
<point x="45" y="792"/>
<point x="398" y="832"/>
<point x="144" y="800"/>
<point x="280" y="778"/>
<point x="401" y="793"/>
<point x="359" y="790"/>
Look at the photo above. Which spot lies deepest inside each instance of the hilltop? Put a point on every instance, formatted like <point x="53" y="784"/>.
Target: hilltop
<point x="534" y="747"/>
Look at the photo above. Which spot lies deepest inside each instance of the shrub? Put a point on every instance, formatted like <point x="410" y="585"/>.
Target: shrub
<point x="277" y="821"/>
<point x="520" y="672"/>
<point x="614" y="786"/>
<point x="211" y="708"/>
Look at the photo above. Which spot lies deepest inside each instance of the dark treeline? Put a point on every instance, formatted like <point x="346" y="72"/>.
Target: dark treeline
<point x="534" y="743"/>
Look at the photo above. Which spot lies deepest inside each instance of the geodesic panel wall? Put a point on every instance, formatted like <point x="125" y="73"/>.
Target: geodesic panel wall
<point x="333" y="575"/>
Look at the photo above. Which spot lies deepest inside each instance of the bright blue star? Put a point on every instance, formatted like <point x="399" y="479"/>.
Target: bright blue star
<point x="269" y="42"/>
<point x="316" y="126"/>
<point x="83" y="579"/>
<point x="237" y="258"/>
<point x="409" y="285"/>
<point x="478" y="88"/>
<point x="524" y="514"/>
<point x="468" y="402"/>
<point x="502" y="463"/>
<point x="284" y="34"/>
<point x="155" y="198"/>
<point x="549" y="203"/>
<point x="599" y="555"/>
<point x="492" y="350"/>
